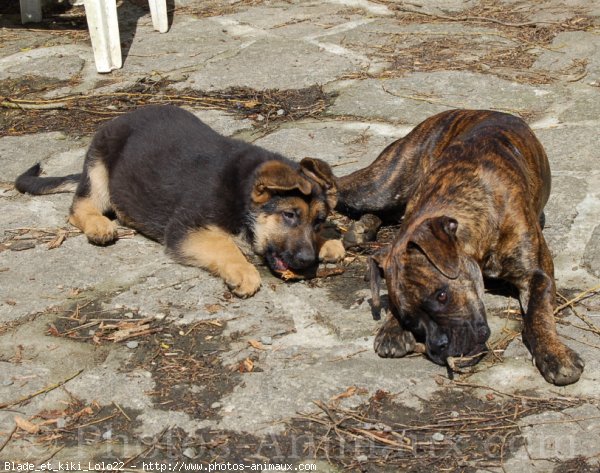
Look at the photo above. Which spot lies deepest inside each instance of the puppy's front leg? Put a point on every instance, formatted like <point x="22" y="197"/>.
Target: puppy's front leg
<point x="215" y="250"/>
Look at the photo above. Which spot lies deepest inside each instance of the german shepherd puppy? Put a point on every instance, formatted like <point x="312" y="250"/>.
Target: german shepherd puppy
<point x="163" y="172"/>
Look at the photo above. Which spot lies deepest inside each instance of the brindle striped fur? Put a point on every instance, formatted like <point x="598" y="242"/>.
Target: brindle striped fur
<point x="472" y="186"/>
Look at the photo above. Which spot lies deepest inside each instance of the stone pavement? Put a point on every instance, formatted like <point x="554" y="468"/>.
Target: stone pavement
<point x="213" y="378"/>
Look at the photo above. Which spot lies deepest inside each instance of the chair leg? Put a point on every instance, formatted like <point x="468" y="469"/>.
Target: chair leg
<point x="103" y="25"/>
<point x="158" y="10"/>
<point x="31" y="11"/>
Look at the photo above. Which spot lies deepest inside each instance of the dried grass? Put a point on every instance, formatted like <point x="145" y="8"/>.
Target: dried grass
<point x="26" y="112"/>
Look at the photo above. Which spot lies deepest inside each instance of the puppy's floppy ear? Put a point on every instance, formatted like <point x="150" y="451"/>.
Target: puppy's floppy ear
<point x="375" y="272"/>
<point x="436" y="237"/>
<point x="277" y="176"/>
<point x="320" y="172"/>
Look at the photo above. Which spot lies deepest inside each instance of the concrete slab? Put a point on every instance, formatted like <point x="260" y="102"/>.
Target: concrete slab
<point x="417" y="96"/>
<point x="347" y="146"/>
<point x="568" y="48"/>
<point x="42" y="62"/>
<point x="311" y="65"/>
<point x="17" y="153"/>
<point x="192" y="42"/>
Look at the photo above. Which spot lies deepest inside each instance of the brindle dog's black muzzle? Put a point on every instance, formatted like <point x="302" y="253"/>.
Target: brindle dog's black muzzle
<point x="465" y="340"/>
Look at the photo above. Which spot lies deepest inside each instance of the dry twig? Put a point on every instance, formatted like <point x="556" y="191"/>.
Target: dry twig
<point x="47" y="389"/>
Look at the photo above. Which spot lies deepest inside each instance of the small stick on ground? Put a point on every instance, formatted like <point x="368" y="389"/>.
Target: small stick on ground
<point x="47" y="389"/>
<point x="34" y="106"/>
<point x="98" y="421"/>
<point x="147" y="450"/>
<point x="122" y="411"/>
<point x="577" y="298"/>
<point x="452" y="360"/>
<point x="5" y="443"/>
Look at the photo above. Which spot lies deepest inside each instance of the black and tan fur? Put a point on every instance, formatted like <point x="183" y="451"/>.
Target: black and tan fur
<point x="163" y="172"/>
<point x="471" y="186"/>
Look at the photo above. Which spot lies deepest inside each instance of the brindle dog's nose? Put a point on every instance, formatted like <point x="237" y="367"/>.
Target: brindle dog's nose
<point x="482" y="331"/>
<point x="439" y="343"/>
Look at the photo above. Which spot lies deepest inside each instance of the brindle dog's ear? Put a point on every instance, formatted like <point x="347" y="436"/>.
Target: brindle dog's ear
<point x="375" y="273"/>
<point x="320" y="172"/>
<point x="436" y="237"/>
<point x="276" y="176"/>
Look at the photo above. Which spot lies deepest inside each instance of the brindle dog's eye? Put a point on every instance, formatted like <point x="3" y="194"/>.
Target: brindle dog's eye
<point x="442" y="296"/>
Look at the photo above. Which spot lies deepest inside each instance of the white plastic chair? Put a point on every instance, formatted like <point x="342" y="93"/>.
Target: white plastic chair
<point x="101" y="16"/>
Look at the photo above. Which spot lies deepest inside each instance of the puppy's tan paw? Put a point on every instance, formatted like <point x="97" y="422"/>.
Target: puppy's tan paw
<point x="242" y="279"/>
<point x="100" y="230"/>
<point x="332" y="251"/>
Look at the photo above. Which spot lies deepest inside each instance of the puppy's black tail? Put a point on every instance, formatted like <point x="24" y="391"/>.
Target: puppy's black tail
<point x="31" y="182"/>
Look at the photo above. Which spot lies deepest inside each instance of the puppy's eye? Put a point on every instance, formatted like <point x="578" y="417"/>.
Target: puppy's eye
<point x="318" y="222"/>
<point x="289" y="216"/>
<point x="442" y="296"/>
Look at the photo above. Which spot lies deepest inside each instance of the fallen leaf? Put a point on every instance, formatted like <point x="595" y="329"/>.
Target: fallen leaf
<point x="351" y="391"/>
<point x="50" y="421"/>
<point x="256" y="344"/>
<point x="52" y="415"/>
<point x="86" y="411"/>
<point x="289" y="275"/>
<point x="60" y="238"/>
<point x="27" y="426"/>
<point x="213" y="308"/>
<point x="129" y="332"/>
<point x="18" y="357"/>
<point x="246" y="366"/>
<point x="329" y="272"/>
<point x="380" y="395"/>
<point x="439" y="380"/>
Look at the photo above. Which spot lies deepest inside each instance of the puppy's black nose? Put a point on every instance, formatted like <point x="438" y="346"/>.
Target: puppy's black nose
<point x="439" y="343"/>
<point x="304" y="258"/>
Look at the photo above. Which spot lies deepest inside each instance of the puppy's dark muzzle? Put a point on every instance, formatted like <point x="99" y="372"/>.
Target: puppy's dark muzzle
<point x="302" y="259"/>
<point x="303" y="263"/>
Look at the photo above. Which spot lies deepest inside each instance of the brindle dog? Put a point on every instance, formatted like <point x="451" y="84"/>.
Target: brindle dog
<point x="206" y="197"/>
<point x="472" y="186"/>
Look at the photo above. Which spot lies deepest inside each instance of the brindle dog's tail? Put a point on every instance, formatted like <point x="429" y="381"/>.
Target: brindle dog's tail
<point x="31" y="182"/>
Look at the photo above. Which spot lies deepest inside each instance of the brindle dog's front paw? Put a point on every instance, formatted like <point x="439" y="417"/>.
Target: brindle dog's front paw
<point x="332" y="251"/>
<point x="242" y="279"/>
<point x="393" y="342"/>
<point x="562" y="368"/>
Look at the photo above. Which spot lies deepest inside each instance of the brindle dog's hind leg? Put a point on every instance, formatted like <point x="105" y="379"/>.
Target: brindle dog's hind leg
<point x="558" y="363"/>
<point x="91" y="201"/>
